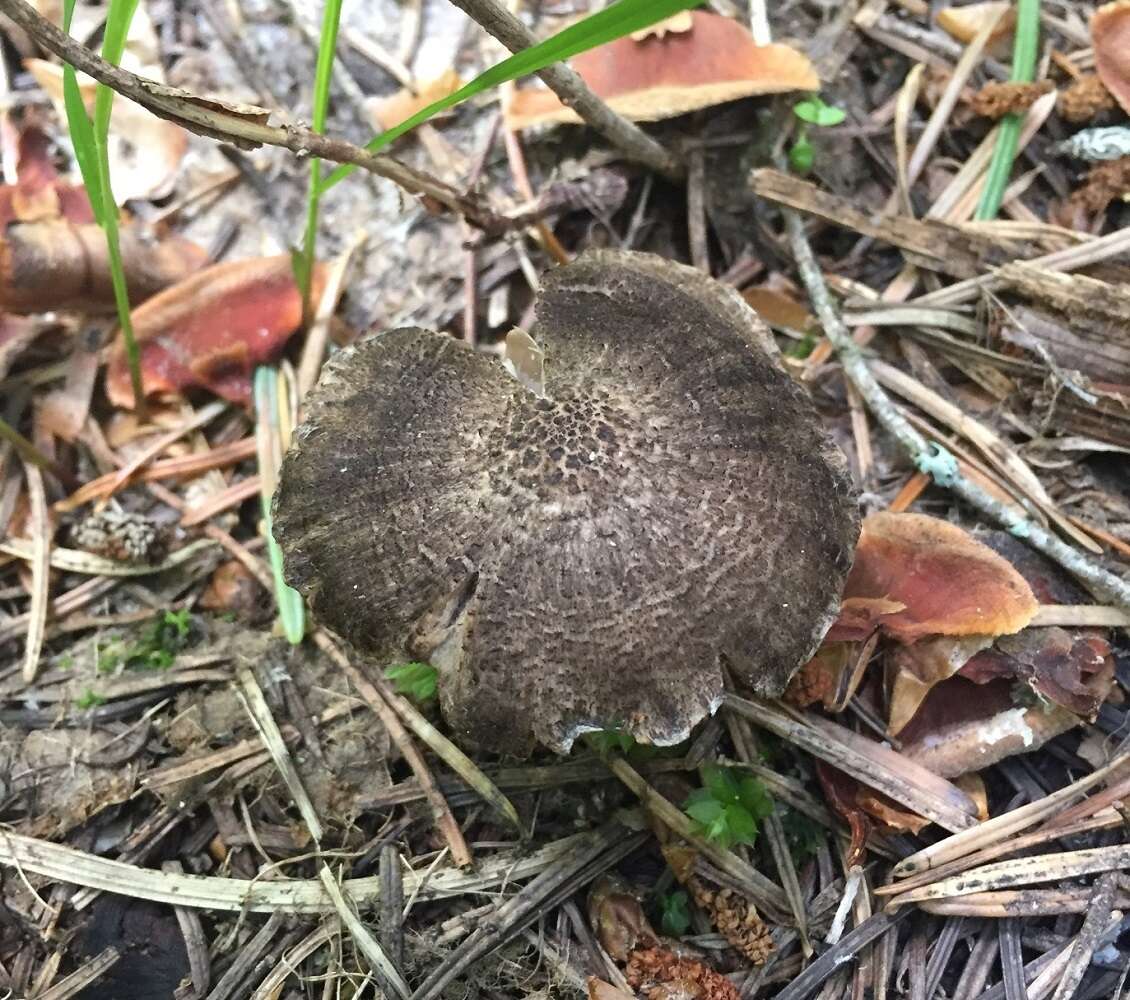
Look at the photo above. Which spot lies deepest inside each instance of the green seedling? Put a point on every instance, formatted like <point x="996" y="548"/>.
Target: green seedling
<point x="811" y="112"/>
<point x="726" y="809"/>
<point x="155" y="648"/>
<point x="415" y="680"/>
<point x="675" y="916"/>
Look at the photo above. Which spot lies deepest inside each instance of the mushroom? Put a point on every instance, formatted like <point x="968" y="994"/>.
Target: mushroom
<point x="664" y="74"/>
<point x="587" y="558"/>
<point x="1110" y="35"/>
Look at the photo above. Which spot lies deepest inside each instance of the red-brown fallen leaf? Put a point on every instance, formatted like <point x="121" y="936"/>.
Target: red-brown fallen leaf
<point x="211" y="330"/>
<point x="1110" y="36"/>
<point x="1074" y="671"/>
<point x="919" y="666"/>
<point x="38" y="193"/>
<point x="915" y="576"/>
<point x="963" y="727"/>
<point x="56" y="264"/>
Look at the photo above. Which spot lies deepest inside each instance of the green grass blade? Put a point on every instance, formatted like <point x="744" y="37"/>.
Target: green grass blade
<point x="1024" y="52"/>
<point x="118" y="19"/>
<point x="615" y="21"/>
<point x="81" y="128"/>
<point x="323" y="73"/>
<point x="292" y="612"/>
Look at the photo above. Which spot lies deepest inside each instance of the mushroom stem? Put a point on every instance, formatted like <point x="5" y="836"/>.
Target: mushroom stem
<point x="929" y="457"/>
<point x="573" y="92"/>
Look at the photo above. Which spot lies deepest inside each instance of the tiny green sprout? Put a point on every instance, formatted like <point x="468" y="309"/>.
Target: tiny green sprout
<point x="728" y="810"/>
<point x="89" y="699"/>
<point x="178" y="621"/>
<point x="416" y="680"/>
<point x="65" y="662"/>
<point x="811" y="111"/>
<point x="676" y="914"/>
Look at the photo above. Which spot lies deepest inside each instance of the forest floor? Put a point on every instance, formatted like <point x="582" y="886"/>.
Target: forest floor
<point x="194" y="806"/>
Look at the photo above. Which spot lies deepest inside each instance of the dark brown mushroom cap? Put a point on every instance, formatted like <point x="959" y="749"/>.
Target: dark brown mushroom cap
<point x="581" y="560"/>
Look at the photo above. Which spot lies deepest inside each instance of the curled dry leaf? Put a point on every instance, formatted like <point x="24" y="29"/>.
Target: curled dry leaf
<point x="963" y="23"/>
<point x="145" y="151"/>
<point x="58" y="265"/>
<point x="661" y="76"/>
<point x="212" y="329"/>
<point x="1073" y="671"/>
<point x="915" y="576"/>
<point x="920" y="665"/>
<point x="1110" y="35"/>
<point x="617" y="918"/>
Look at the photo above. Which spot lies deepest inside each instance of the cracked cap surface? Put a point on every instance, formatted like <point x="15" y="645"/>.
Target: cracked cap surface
<point x="583" y="560"/>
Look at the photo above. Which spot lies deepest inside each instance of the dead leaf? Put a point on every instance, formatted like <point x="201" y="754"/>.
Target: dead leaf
<point x="916" y="575"/>
<point x="212" y="329"/>
<point x="1074" y="671"/>
<point x="963" y="727"/>
<point x="58" y="265"/>
<point x="617" y="918"/>
<point x="1110" y="36"/>
<point x="919" y="666"/>
<point x="385" y="112"/>
<point x="39" y="193"/>
<point x="778" y="309"/>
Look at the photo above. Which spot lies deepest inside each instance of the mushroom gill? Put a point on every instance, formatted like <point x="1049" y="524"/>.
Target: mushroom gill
<point x="588" y="559"/>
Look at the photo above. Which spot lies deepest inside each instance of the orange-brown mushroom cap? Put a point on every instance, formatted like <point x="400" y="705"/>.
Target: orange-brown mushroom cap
<point x="667" y="74"/>
<point x="1110" y="35"/>
<point x="916" y="575"/>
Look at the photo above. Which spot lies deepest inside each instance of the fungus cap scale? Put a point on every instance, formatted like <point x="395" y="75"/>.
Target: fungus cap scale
<point x="587" y="559"/>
